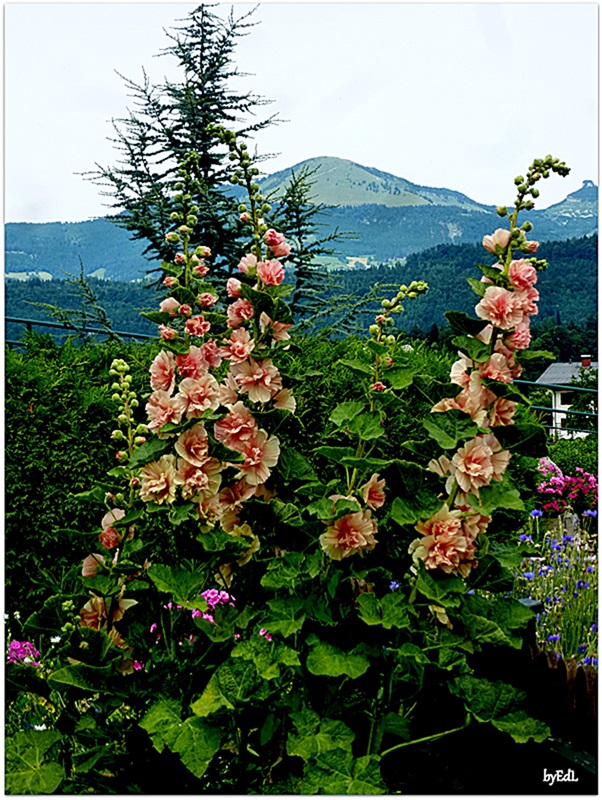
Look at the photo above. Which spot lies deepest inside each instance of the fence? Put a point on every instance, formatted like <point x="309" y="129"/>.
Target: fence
<point x="29" y="324"/>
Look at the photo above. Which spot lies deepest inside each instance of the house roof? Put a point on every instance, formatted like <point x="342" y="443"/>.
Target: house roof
<point x="562" y="372"/>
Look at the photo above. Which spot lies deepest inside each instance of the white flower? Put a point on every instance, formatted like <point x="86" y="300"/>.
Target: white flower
<point x="39" y="727"/>
<point x="55" y="639"/>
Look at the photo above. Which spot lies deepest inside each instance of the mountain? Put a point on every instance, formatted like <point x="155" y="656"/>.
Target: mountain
<point x="390" y="217"/>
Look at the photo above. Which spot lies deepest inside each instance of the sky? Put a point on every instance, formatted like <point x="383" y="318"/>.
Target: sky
<point x="454" y="95"/>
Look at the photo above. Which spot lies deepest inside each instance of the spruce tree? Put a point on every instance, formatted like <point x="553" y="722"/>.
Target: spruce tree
<point x="167" y="122"/>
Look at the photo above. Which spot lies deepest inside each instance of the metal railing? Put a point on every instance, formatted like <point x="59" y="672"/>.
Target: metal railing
<point x="554" y="428"/>
<point x="29" y="324"/>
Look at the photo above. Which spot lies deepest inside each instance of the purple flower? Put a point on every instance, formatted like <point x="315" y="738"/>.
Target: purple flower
<point x="393" y="585"/>
<point x="23" y="653"/>
<point x="553" y="638"/>
<point x="590" y="513"/>
<point x="524" y="537"/>
<point x="536" y="512"/>
<point x="529" y="575"/>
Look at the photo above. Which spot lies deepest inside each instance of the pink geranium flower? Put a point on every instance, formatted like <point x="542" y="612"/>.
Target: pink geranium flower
<point x="239" y="346"/>
<point x="158" y="481"/>
<point x="350" y="534"/>
<point x="197" y="396"/>
<point x="373" y="492"/>
<point x="237" y="429"/>
<point x="239" y="311"/>
<point x="161" y="409"/>
<point x="500" y="307"/>
<point x="197" y="326"/>
<point x="193" y="364"/>
<point x="522" y="274"/>
<point x="162" y="372"/>
<point x="270" y="272"/>
<point x="499" y="238"/>
<point x="260" y="454"/>
<point x="193" y="445"/>
<point x="259" y="379"/>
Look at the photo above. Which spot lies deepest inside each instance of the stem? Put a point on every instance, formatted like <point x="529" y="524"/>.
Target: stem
<point x="425" y="739"/>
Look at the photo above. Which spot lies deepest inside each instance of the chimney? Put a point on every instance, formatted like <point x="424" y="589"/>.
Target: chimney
<point x="586" y="361"/>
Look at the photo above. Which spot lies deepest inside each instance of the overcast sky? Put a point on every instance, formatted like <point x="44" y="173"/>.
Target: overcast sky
<point x="462" y="96"/>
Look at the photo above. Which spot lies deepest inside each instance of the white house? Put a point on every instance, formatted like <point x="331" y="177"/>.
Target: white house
<point x="559" y="376"/>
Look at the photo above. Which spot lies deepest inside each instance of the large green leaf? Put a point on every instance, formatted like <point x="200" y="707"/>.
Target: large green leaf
<point x="532" y="355"/>
<point x="266" y="657"/>
<point x="499" y="494"/>
<point x="286" y="571"/>
<point x="522" y="727"/>
<point x="84" y="676"/>
<point x="524" y="437"/>
<point x="356" y="366"/>
<point x="399" y="377"/>
<point x="335" y="454"/>
<point x="345" y="412"/>
<point x="213" y="699"/>
<point x="487" y="700"/>
<point x="477" y="286"/>
<point x="285" y="617"/>
<point x="325" y="659"/>
<point x="179" y="582"/>
<point x="292" y="465"/>
<point x="337" y="772"/>
<point x="450" y="427"/>
<point x="314" y="736"/>
<point x="27" y="771"/>
<point x="460" y="321"/>
<point x="367" y="426"/>
<point x="151" y="450"/>
<point x="411" y="508"/>
<point x="391" y="611"/>
<point x="444" y="590"/>
<point x="474" y="348"/>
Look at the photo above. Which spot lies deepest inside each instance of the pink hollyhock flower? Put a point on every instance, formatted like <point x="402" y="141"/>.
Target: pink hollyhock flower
<point x="94" y="613"/>
<point x="522" y="274"/>
<point x="200" y="269"/>
<point x="180" y="258"/>
<point x="197" y="396"/>
<point x="532" y="246"/>
<point x="246" y="263"/>
<point x="193" y="445"/>
<point x="211" y="353"/>
<point x="192" y="364"/>
<point x="279" y="329"/>
<point x="158" y="481"/>
<point x="500" y="307"/>
<point x="520" y="338"/>
<point x="444" y="545"/>
<point x="206" y="299"/>
<point x="171" y="305"/>
<point x="259" y="379"/>
<point x="111" y="517"/>
<point x="473" y="400"/>
<point x="239" y="347"/>
<point x="244" y="217"/>
<point x="260" y="454"/>
<point x="169" y="281"/>
<point x="378" y="386"/>
<point x="92" y="564"/>
<point x="198" y="482"/>
<point x="285" y="400"/>
<point x="162" y="372"/>
<point x="233" y="287"/>
<point x="350" y="534"/>
<point x="230" y="501"/>
<point x="167" y="333"/>
<point x="228" y="391"/>
<point x="373" y="492"/>
<point x="474" y="523"/>
<point x="496" y="368"/>
<point x="485" y="334"/>
<point x="515" y="369"/>
<point x="109" y="538"/>
<point x="527" y="299"/>
<point x="270" y="272"/>
<point x="185" y="310"/>
<point x="239" y="311"/>
<point x="480" y="461"/>
<point x="499" y="238"/>
<point x="281" y="250"/>
<point x="197" y="326"/>
<point x="273" y="238"/>
<point x="237" y="429"/>
<point x="161" y="409"/>
<point x="459" y="371"/>
<point x="502" y="412"/>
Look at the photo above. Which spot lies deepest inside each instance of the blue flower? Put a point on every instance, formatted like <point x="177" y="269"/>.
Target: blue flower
<point x="553" y="638"/>
<point x="594" y="627"/>
<point x="470" y="591"/>
<point x="590" y="569"/>
<point x="582" y="648"/>
<point x="567" y="538"/>
<point x="394" y="585"/>
<point x="524" y="537"/>
<point x="590" y="513"/>
<point x="529" y="575"/>
<point x="536" y="513"/>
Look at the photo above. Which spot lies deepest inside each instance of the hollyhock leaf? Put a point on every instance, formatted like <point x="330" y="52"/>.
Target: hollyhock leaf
<point x="414" y="507"/>
<point x="445" y="591"/>
<point x="159" y="720"/>
<point x="84" y="676"/>
<point x="499" y="494"/>
<point x="356" y="366"/>
<point x="474" y="348"/>
<point x="507" y="391"/>
<point x="213" y="699"/>
<point x="149" y="451"/>
<point x="314" y="736"/>
<point x="288" y="513"/>
<point x="282" y="312"/>
<point x="522" y="727"/>
<point x="510" y="556"/>
<point x="238" y="681"/>
<point x="391" y="611"/>
<point x="366" y="463"/>
<point x="292" y="465"/>
<point x="485" y="631"/>
<point x="478" y="287"/>
<point x="532" y="355"/>
<point x="334" y="453"/>
<point x="97" y="494"/>
<point x="337" y="772"/>
<point x="182" y="513"/>
<point x="196" y="744"/>
<point x="376" y="347"/>
<point x="158" y="317"/>
<point x="325" y="659"/>
<point x="399" y="377"/>
<point x="284" y="571"/>
<point x="261" y="301"/>
<point x="322" y="508"/>
<point x="494" y="274"/>
<point x="397" y="725"/>
<point x="130" y="517"/>
<point x="487" y="700"/>
<point x="176" y="580"/>
<point x="284" y="290"/>
<point x="184" y="296"/>
<point x="284" y="619"/>
<point x="25" y="772"/>
<point x="523" y="437"/>
<point x="345" y="412"/>
<point x="450" y="428"/>
<point x="367" y="426"/>
<point x="465" y="324"/>
<point x="313" y="563"/>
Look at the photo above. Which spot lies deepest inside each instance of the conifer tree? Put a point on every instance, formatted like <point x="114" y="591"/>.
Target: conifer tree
<point x="173" y="118"/>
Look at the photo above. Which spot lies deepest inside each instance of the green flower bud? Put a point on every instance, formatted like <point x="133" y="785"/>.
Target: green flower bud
<point x="116" y="397"/>
<point x="120" y="498"/>
<point x="374" y="329"/>
<point x="179" y="186"/>
<point x="501" y="211"/>
<point x="134" y="403"/>
<point x="242" y="207"/>
<point x="535" y="192"/>
<point x="254" y="187"/>
<point x="191" y="220"/>
<point x="390" y="340"/>
<point x="545" y="174"/>
<point x="116" y="387"/>
<point x="527" y="226"/>
<point x="122" y="418"/>
<point x="412" y="294"/>
<point x="386" y="304"/>
<point x="518" y="180"/>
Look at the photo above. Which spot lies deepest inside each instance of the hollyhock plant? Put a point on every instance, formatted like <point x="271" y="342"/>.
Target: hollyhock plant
<point x="353" y="533"/>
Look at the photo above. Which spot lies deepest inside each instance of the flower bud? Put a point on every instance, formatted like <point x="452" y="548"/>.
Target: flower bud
<point x="116" y="435"/>
<point x="518" y="180"/>
<point x="139" y="440"/>
<point x="121" y="455"/>
<point x="527" y="226"/>
<point x="191" y="220"/>
<point x="386" y="303"/>
<point x="122" y="418"/>
<point x="374" y="330"/>
<point x="116" y="397"/>
<point x="172" y="237"/>
<point x="175" y="217"/>
<point x="501" y="211"/>
<point x="120" y="498"/>
<point x="185" y="310"/>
